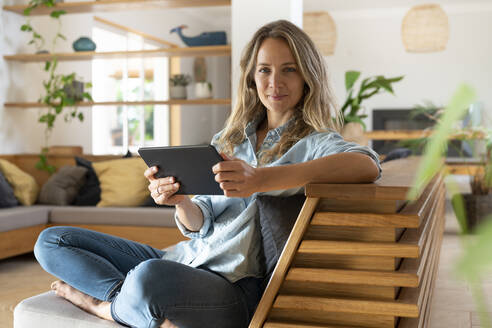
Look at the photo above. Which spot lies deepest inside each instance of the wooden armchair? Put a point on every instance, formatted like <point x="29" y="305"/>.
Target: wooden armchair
<point x="359" y="255"/>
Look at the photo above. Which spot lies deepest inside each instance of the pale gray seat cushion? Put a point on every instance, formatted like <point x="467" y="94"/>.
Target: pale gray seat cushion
<point x="50" y="311"/>
<point x="23" y="217"/>
<point x="139" y="216"/>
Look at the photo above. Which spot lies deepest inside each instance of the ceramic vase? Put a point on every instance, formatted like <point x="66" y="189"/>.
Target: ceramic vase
<point x="203" y="90"/>
<point x="354" y="132"/>
<point x="177" y="92"/>
<point x="84" y="44"/>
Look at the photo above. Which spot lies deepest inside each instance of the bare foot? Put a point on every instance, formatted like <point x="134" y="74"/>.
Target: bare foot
<point x="168" y="324"/>
<point x="85" y="302"/>
<point x="90" y="304"/>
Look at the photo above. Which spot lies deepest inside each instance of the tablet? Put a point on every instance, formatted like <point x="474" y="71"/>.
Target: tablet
<point x="190" y="165"/>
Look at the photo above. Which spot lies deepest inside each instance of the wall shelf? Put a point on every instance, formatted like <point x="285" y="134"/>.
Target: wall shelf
<point x="396" y="134"/>
<point x="117" y="5"/>
<point x="89" y="55"/>
<point x="221" y="102"/>
<point x="415" y="134"/>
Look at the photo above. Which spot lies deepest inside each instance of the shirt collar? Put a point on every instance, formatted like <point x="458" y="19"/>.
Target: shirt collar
<point x="252" y="126"/>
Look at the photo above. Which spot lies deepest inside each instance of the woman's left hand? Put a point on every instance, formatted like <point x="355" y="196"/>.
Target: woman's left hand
<point x="236" y="177"/>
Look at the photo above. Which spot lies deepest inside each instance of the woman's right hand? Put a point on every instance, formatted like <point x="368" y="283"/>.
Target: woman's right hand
<point x="163" y="190"/>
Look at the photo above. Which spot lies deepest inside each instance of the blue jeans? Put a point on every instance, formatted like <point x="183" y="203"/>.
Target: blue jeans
<point x="144" y="289"/>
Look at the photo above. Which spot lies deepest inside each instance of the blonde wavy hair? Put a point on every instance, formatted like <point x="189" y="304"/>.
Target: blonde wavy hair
<point x="316" y="111"/>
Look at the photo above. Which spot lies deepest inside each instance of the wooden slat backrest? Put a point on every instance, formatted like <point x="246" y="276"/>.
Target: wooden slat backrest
<point x="390" y="191"/>
<point x="395" y="182"/>
<point x="284" y="262"/>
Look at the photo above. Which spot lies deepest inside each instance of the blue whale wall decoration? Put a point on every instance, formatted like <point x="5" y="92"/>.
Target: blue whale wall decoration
<point x="204" y="39"/>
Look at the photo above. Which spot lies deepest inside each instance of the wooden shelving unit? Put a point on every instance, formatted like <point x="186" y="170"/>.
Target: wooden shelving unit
<point x="169" y="50"/>
<point x="89" y="55"/>
<point x="118" y="5"/>
<point x="396" y="134"/>
<point x="414" y="134"/>
<point x="190" y="102"/>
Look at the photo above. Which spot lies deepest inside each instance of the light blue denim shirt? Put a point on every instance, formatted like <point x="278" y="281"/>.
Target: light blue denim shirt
<point x="229" y="242"/>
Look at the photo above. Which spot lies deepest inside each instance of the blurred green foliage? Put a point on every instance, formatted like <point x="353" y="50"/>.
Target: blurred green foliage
<point x="476" y="259"/>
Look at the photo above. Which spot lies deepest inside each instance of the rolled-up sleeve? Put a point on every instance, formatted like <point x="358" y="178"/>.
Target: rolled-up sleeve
<point x="332" y="143"/>
<point x="204" y="203"/>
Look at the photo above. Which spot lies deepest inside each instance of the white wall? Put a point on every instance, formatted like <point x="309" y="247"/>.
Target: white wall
<point x="369" y="40"/>
<point x="249" y="16"/>
<point x="19" y="130"/>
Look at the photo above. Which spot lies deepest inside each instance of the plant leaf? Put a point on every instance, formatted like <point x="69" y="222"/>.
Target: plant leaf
<point x="385" y="85"/>
<point x="395" y="79"/>
<point x="26" y="28"/>
<point x="87" y="96"/>
<point x="475" y="259"/>
<point x="27" y="11"/>
<point x="57" y="13"/>
<point x="350" y="78"/>
<point x="347" y="102"/>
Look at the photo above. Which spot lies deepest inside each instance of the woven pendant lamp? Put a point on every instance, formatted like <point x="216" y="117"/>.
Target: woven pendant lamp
<point x="425" y="28"/>
<point x="321" y="27"/>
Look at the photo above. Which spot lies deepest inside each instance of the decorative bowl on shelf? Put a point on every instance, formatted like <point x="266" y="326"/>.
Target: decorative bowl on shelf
<point x="84" y="44"/>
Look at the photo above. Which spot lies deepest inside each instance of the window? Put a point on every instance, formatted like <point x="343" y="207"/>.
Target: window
<point x="118" y="128"/>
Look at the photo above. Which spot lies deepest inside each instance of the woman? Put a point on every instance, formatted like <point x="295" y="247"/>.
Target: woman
<point x="279" y="137"/>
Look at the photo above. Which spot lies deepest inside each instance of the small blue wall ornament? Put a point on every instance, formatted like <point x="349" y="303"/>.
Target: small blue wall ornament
<point x="84" y="44"/>
<point x="204" y="39"/>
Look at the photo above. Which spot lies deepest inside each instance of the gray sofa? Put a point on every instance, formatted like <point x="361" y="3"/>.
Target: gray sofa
<point x="21" y="225"/>
<point x="49" y="310"/>
<point x="26" y="216"/>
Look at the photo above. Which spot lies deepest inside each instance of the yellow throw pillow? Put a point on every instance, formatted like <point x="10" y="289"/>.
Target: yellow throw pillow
<point x="122" y="182"/>
<point x="25" y="187"/>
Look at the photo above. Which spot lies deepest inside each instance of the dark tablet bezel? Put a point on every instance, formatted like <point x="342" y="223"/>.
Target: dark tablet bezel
<point x="190" y="165"/>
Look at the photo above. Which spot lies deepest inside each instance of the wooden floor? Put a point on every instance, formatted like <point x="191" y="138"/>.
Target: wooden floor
<point x="452" y="305"/>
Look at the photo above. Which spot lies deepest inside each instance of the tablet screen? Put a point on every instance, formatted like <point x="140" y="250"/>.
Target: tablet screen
<point x="190" y="165"/>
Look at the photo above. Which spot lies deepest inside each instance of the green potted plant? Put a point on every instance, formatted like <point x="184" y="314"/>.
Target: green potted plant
<point x="478" y="203"/>
<point x="177" y="86"/>
<point x="60" y="90"/>
<point x="352" y="109"/>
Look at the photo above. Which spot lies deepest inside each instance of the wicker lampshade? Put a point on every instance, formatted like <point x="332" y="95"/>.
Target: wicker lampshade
<point x="425" y="28"/>
<point x="321" y="27"/>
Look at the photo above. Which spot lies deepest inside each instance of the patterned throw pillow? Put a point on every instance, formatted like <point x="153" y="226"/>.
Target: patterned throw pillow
<point x="62" y="187"/>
